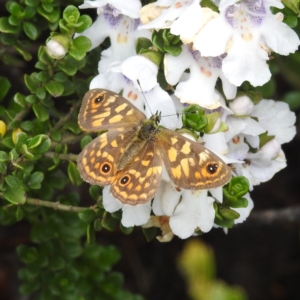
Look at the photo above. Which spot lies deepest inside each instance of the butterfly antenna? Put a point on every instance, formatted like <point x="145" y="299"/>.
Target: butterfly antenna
<point x="145" y="97"/>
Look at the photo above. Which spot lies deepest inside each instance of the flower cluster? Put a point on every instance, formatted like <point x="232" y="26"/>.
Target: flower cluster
<point x="200" y="46"/>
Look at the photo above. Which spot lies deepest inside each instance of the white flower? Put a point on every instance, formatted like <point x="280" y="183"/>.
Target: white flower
<point x="117" y="20"/>
<point x="183" y="17"/>
<point x="277" y="119"/>
<point x="132" y="215"/>
<point x="199" y="86"/>
<point x="241" y="106"/>
<point x="272" y="117"/>
<point x="246" y="30"/>
<point x="129" y="8"/>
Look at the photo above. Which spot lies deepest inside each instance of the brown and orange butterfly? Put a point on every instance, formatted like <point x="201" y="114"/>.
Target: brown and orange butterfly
<point x="130" y="155"/>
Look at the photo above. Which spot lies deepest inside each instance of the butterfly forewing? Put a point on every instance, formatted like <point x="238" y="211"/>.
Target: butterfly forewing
<point x="102" y="110"/>
<point x="189" y="164"/>
<point x="97" y="163"/>
<point x="139" y="181"/>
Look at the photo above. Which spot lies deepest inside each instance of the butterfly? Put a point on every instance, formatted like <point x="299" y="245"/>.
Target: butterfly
<point x="130" y="154"/>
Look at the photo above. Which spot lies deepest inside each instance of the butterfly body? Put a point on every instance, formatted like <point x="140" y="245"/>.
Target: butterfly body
<point x="131" y="154"/>
<point x="144" y="133"/>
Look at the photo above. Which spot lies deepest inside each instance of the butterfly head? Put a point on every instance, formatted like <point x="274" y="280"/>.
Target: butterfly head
<point x="156" y="117"/>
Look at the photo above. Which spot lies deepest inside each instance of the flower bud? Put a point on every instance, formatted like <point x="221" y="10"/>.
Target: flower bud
<point x="57" y="46"/>
<point x="241" y="106"/>
<point x="2" y="128"/>
<point x="271" y="148"/>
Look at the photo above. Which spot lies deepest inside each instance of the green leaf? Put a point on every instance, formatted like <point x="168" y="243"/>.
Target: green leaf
<point x="35" y="180"/>
<point x="27" y="125"/>
<point x="32" y="3"/>
<point x="109" y="222"/>
<point x="8" y="142"/>
<point x="26" y="55"/>
<point x="21" y="139"/>
<point x="5" y="27"/>
<point x="74" y="174"/>
<point x="194" y="118"/>
<point x="71" y="14"/>
<point x="3" y="168"/>
<point x="84" y="22"/>
<point x="292" y="99"/>
<point x="28" y="288"/>
<point x="54" y="88"/>
<point x="67" y="66"/>
<point x="3" y="156"/>
<point x="87" y="215"/>
<point x="28" y="255"/>
<point x="31" y="83"/>
<point x="237" y="188"/>
<point x="264" y="138"/>
<point x="29" y="13"/>
<point x="142" y="44"/>
<point x="72" y="126"/>
<point x="228" y="213"/>
<point x="56" y="263"/>
<point x="83" y="43"/>
<point x="126" y="230"/>
<point x="4" y="87"/>
<point x="13" y="181"/>
<point x="31" y="99"/>
<point x="40" y="112"/>
<point x="96" y="192"/>
<point x="20" y="99"/>
<point x="41" y="93"/>
<point x="19" y="214"/>
<point x="85" y="141"/>
<point x="173" y="50"/>
<point x="26" y="153"/>
<point x="39" y="144"/>
<point x="56" y="135"/>
<point x="60" y="77"/>
<point x="154" y="56"/>
<point x="15" y="195"/>
<point x="97" y="225"/>
<point x="30" y="30"/>
<point x="52" y="17"/>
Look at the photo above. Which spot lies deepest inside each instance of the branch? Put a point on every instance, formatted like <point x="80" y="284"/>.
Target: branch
<point x="69" y="139"/>
<point x="69" y="157"/>
<point x="67" y="117"/>
<point x="58" y="206"/>
<point x="274" y="216"/>
<point x="54" y="205"/>
<point x="19" y="116"/>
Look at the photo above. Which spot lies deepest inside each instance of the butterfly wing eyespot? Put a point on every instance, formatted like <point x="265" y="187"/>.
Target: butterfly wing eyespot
<point x="104" y="110"/>
<point x="212" y="168"/>
<point x="138" y="182"/>
<point x="106" y="168"/>
<point x="97" y="163"/>
<point x="189" y="164"/>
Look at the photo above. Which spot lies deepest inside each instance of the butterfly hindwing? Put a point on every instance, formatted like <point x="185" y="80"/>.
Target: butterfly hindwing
<point x="189" y="164"/>
<point x="138" y="182"/>
<point x="97" y="163"/>
<point x="103" y="109"/>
